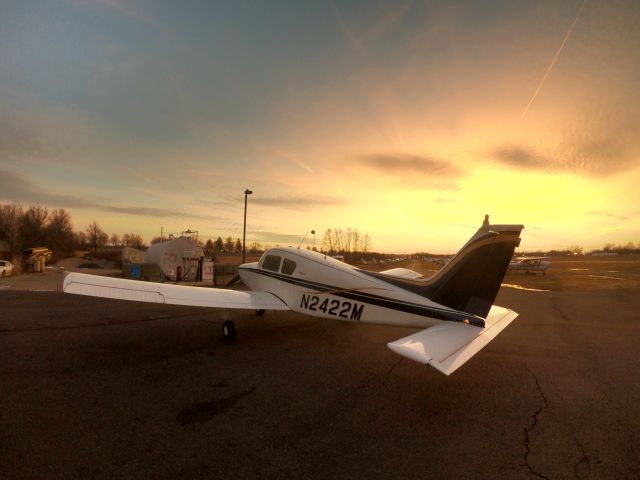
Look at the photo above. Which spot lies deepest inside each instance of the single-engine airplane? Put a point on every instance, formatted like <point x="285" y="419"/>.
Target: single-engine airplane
<point x="454" y="306"/>
<point x="530" y="265"/>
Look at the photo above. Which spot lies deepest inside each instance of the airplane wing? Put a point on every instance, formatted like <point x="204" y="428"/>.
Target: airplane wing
<point x="403" y="273"/>
<point x="448" y="345"/>
<point x="108" y="287"/>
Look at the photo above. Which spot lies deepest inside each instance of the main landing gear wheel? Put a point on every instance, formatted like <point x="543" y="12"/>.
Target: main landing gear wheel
<point x="229" y="330"/>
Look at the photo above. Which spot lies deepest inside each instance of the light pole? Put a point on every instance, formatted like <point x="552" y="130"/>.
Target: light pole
<point x="244" y="228"/>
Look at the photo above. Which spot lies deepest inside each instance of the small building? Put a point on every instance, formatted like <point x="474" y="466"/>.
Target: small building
<point x="132" y="255"/>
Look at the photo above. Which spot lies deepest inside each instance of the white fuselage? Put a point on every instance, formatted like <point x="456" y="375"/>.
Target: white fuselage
<point x="338" y="290"/>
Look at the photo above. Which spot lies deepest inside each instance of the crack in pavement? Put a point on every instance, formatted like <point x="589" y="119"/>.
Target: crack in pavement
<point x="584" y="460"/>
<point x="380" y="377"/>
<point x="559" y="310"/>
<point x="529" y="429"/>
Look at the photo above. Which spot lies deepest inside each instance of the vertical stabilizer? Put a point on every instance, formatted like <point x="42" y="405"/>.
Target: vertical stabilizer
<point x="471" y="280"/>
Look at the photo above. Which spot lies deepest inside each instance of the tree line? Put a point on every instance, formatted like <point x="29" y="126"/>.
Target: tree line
<point x="35" y="226"/>
<point x="212" y="248"/>
<point x="621" y="249"/>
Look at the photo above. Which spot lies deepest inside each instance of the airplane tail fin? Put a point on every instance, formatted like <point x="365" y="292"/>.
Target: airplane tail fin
<point x="472" y="278"/>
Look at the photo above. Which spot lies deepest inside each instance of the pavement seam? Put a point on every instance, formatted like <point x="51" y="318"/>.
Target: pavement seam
<point x="529" y="429"/>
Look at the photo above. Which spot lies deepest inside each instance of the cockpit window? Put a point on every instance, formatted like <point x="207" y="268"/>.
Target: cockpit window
<point x="288" y="266"/>
<point x="271" y="262"/>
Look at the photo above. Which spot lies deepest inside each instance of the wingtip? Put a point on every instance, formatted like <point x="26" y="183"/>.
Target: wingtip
<point x="64" y="282"/>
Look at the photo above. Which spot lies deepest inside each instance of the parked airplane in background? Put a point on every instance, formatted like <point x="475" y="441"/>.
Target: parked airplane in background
<point x="437" y="260"/>
<point x="454" y="306"/>
<point x="530" y="265"/>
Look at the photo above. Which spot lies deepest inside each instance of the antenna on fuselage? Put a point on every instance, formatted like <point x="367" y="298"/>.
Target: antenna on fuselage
<point x="313" y="232"/>
<point x="485" y="224"/>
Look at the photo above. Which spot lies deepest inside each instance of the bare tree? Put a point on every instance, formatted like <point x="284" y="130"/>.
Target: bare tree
<point x="357" y="247"/>
<point x="132" y="240"/>
<point x="32" y="227"/>
<point x="114" y="240"/>
<point x="255" y="247"/>
<point x="96" y="237"/>
<point x="327" y="241"/>
<point x="575" y="249"/>
<point x="10" y="226"/>
<point x="139" y="241"/>
<point x="366" y="243"/>
<point x="59" y="233"/>
<point x="348" y="241"/>
<point x="81" y="240"/>
<point x="238" y="246"/>
<point x="338" y="240"/>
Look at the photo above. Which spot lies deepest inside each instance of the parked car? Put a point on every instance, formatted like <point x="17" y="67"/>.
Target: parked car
<point x="6" y="268"/>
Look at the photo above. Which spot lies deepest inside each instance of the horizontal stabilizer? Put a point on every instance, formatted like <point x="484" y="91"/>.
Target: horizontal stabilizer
<point x="402" y="273"/>
<point x="118" y="288"/>
<point x="448" y="345"/>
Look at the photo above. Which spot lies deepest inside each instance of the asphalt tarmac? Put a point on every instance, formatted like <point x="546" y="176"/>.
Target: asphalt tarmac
<point x="96" y="388"/>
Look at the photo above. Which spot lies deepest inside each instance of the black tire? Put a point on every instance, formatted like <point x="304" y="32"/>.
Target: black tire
<point x="260" y="312"/>
<point x="229" y="331"/>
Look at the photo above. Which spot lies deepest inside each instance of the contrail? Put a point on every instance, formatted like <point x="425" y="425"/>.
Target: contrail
<point x="553" y="62"/>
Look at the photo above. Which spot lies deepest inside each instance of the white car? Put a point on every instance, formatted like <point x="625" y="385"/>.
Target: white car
<point x="6" y="268"/>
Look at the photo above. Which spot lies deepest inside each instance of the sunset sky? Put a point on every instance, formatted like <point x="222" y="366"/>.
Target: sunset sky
<point x="408" y="120"/>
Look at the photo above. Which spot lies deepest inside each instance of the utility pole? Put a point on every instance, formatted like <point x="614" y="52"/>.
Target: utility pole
<point x="247" y="192"/>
